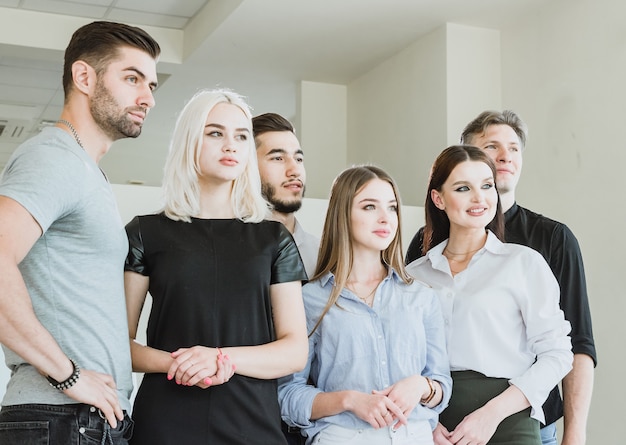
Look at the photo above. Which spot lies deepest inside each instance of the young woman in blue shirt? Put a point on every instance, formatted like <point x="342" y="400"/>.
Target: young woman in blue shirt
<point x="377" y="370"/>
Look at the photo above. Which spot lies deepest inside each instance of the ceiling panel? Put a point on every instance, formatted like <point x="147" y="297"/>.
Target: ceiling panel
<point x="147" y="18"/>
<point x="70" y="8"/>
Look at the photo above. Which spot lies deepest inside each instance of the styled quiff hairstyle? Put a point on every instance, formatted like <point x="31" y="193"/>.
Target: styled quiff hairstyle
<point x="437" y="228"/>
<point x="182" y="166"/>
<point x="335" y="253"/>
<point x="98" y="44"/>
<point x="487" y="118"/>
<point x="264" y="123"/>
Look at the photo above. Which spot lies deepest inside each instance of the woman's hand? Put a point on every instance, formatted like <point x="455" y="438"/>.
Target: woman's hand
<point x="406" y="393"/>
<point x="476" y="428"/>
<point x="200" y="366"/>
<point x="377" y="410"/>
<point x="441" y="435"/>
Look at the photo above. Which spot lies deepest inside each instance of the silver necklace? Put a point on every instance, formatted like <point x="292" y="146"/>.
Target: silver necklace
<point x="73" y="130"/>
<point x="77" y="138"/>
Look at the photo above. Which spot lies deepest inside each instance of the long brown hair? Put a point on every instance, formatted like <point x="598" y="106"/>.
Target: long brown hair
<point x="437" y="227"/>
<point x="335" y="253"/>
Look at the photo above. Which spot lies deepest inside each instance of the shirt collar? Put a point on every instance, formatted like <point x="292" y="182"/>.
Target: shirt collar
<point x="330" y="277"/>
<point x="493" y="245"/>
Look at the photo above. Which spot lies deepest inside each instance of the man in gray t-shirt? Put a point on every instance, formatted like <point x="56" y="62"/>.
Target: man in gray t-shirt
<point x="63" y="322"/>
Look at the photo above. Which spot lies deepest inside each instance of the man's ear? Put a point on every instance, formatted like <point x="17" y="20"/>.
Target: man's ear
<point x="83" y="76"/>
<point x="437" y="199"/>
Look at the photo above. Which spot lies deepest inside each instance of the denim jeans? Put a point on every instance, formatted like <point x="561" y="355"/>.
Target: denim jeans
<point x="548" y="434"/>
<point x="73" y="424"/>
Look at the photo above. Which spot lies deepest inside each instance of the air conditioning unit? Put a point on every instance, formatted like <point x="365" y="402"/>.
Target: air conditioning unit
<point x="14" y="130"/>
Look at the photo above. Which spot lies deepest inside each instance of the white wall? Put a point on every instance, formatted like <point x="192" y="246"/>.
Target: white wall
<point x="564" y="70"/>
<point x="321" y="128"/>
<point x="397" y="114"/>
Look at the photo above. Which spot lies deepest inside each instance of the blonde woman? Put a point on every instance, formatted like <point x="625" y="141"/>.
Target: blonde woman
<point x="227" y="317"/>
<point x="377" y="371"/>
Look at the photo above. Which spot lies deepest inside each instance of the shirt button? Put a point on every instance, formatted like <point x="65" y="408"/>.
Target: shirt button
<point x="92" y="409"/>
<point x="449" y="295"/>
<point x="383" y="362"/>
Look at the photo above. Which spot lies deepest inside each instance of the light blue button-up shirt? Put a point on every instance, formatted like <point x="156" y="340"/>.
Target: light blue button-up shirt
<point x="361" y="348"/>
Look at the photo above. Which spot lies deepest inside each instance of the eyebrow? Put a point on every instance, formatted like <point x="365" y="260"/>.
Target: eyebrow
<point x="222" y="127"/>
<point x="393" y="201"/>
<point x="141" y="75"/>
<point x="282" y="151"/>
<point x="505" y="144"/>
<point x="489" y="178"/>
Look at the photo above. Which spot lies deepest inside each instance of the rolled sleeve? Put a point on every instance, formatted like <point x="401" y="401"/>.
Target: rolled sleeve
<point x="296" y="396"/>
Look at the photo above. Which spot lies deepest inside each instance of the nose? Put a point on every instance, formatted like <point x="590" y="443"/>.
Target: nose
<point x="503" y="155"/>
<point x="294" y="168"/>
<point x="229" y="144"/>
<point x="146" y="99"/>
<point x="478" y="195"/>
<point x="383" y="216"/>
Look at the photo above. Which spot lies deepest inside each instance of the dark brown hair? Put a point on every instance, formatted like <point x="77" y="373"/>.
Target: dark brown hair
<point x="267" y="122"/>
<point x="98" y="43"/>
<point x="437" y="227"/>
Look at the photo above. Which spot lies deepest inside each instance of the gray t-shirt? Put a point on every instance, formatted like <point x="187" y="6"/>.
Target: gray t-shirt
<point x="75" y="271"/>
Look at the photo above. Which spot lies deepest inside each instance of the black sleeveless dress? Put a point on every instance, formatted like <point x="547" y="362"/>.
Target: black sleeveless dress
<point x="209" y="280"/>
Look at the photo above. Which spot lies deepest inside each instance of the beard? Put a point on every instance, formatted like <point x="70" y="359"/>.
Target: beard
<point x="106" y="113"/>
<point x="280" y="206"/>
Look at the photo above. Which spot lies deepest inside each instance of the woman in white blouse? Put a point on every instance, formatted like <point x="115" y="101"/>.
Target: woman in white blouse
<point x="506" y="336"/>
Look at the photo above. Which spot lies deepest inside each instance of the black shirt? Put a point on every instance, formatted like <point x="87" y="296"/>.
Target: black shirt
<point x="558" y="245"/>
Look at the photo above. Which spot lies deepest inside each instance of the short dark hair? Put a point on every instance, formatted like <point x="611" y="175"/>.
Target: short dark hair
<point x="437" y="228"/>
<point x="267" y="122"/>
<point x="97" y="44"/>
<point x="488" y="118"/>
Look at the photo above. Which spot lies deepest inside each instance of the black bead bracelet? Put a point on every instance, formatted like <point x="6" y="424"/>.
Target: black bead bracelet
<point x="67" y="383"/>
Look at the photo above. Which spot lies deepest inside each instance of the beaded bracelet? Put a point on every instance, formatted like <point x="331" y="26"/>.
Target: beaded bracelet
<point x="67" y="383"/>
<point x="432" y="394"/>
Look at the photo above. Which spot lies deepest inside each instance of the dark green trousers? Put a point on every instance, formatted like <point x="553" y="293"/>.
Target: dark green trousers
<point x="470" y="391"/>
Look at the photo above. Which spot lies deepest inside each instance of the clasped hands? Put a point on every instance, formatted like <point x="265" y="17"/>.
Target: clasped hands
<point x="390" y="406"/>
<point x="200" y="366"/>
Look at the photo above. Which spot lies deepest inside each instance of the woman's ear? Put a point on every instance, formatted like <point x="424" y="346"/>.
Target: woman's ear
<point x="437" y="199"/>
<point x="83" y="76"/>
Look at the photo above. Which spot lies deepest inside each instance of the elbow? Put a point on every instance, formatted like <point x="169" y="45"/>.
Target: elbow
<point x="299" y="356"/>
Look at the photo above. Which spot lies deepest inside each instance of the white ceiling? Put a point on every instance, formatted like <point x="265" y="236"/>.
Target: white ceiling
<point x="260" y="48"/>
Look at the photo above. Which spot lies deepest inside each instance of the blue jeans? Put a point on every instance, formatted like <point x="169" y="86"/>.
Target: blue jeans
<point x="73" y="424"/>
<point x="548" y="434"/>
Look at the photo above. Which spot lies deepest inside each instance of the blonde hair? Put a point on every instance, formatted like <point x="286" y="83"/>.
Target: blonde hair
<point x="180" y="180"/>
<point x="335" y="253"/>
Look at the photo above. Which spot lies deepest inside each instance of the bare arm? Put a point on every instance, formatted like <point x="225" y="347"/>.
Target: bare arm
<point x="145" y="358"/>
<point x="20" y="329"/>
<point x="577" y="390"/>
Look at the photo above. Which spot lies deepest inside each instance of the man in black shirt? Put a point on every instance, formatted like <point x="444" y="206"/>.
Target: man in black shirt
<point x="503" y="136"/>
